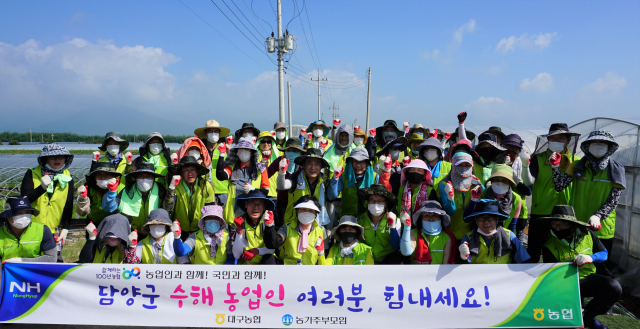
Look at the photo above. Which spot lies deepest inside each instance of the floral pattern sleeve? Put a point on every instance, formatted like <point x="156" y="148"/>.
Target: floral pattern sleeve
<point x="610" y="204"/>
<point x="561" y="180"/>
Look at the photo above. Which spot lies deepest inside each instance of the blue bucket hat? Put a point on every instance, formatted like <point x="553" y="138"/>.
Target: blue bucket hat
<point x="255" y="194"/>
<point x="15" y="204"/>
<point x="486" y="206"/>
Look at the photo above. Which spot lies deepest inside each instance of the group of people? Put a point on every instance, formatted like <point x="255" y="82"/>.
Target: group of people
<point x="333" y="195"/>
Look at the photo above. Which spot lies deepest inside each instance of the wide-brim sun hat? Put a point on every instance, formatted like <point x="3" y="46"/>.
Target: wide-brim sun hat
<point x="491" y="139"/>
<point x="514" y="140"/>
<point x="211" y="124"/>
<point x="415" y="138"/>
<point x="361" y="133"/>
<point x="359" y="154"/>
<point x="417" y="163"/>
<point x="418" y="126"/>
<point x="560" y="129"/>
<point x="214" y="211"/>
<point x="294" y="143"/>
<point x="255" y="194"/>
<point x="399" y="143"/>
<point x="263" y="135"/>
<point x="116" y="137"/>
<point x="156" y="217"/>
<point x="144" y="167"/>
<point x="187" y="161"/>
<point x="376" y="189"/>
<point x="504" y="171"/>
<point x="496" y="131"/>
<point x="54" y="149"/>
<point x="431" y="207"/>
<point x="486" y="206"/>
<point x="247" y="125"/>
<point x="433" y="142"/>
<point x="103" y="166"/>
<point x="325" y="128"/>
<point x="566" y="213"/>
<point x="470" y="134"/>
<point x="312" y="153"/>
<point x="600" y="136"/>
<point x="347" y="221"/>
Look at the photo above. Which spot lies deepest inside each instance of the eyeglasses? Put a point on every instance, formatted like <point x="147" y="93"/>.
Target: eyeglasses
<point x="265" y="141"/>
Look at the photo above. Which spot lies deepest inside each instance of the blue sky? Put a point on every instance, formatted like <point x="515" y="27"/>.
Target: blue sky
<point x="63" y="65"/>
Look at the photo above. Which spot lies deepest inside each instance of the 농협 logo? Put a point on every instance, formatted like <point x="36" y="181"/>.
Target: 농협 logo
<point x="219" y="318"/>
<point x="538" y="314"/>
<point x="135" y="272"/>
<point x="287" y="319"/>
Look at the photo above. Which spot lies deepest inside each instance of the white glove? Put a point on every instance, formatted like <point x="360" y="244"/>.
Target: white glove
<point x="96" y="155"/>
<point x="174" y="157"/>
<point x="247" y="188"/>
<point x="45" y="180"/>
<point x="91" y="230"/>
<point x="476" y="193"/>
<point x="594" y="222"/>
<point x="448" y="188"/>
<point x="81" y="190"/>
<point x="175" y="228"/>
<point x="464" y="250"/>
<point x="14" y="260"/>
<point x="175" y="180"/>
<point x="284" y="164"/>
<point x="320" y="243"/>
<point x="128" y="157"/>
<point x="582" y="260"/>
<point x="525" y="157"/>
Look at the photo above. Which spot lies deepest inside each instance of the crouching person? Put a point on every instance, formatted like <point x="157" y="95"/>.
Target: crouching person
<point x="430" y="242"/>
<point x="208" y="245"/>
<point x="157" y="247"/>
<point x="348" y="250"/>
<point x="248" y="244"/>
<point x="108" y="243"/>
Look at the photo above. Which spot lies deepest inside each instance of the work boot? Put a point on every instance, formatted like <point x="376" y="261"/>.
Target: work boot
<point x="591" y="322"/>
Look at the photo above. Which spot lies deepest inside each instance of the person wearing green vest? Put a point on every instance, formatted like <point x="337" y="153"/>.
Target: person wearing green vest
<point x="490" y="243"/>
<point x="114" y="145"/>
<point x="413" y="146"/>
<point x="244" y="173"/>
<point x="282" y="135"/>
<point x="571" y="240"/>
<point x="208" y="245"/>
<point x="490" y="153"/>
<point x="108" y="243"/>
<point x="211" y="135"/>
<point x="381" y="228"/>
<point x="21" y="239"/>
<point x="419" y="130"/>
<point x="188" y="192"/>
<point x="89" y="203"/>
<point x="432" y="154"/>
<point x="155" y="151"/>
<point x="248" y="130"/>
<point x="300" y="242"/>
<point x="430" y="242"/>
<point x="537" y="173"/>
<point x="455" y="192"/>
<point x="141" y="195"/>
<point x="268" y="153"/>
<point x="349" y="248"/>
<point x="291" y="150"/>
<point x="500" y="188"/>
<point x="336" y="155"/>
<point x="157" y="247"/>
<point x="389" y="166"/>
<point x="513" y="143"/>
<point x="598" y="181"/>
<point x="358" y="174"/>
<point x="317" y="136"/>
<point x="248" y="241"/>
<point x="415" y="187"/>
<point x="307" y="180"/>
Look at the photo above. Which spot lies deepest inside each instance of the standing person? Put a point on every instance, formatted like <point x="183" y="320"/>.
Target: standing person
<point x="113" y="237"/>
<point x="248" y="130"/>
<point x="89" y="204"/>
<point x="490" y="154"/>
<point x="418" y="129"/>
<point x="537" y="173"/>
<point x="349" y="248"/>
<point x="456" y="192"/>
<point x="390" y="163"/>
<point x="268" y="153"/>
<point x="212" y="135"/>
<point x="490" y="243"/>
<point x="432" y="153"/>
<point x="195" y="147"/>
<point x="282" y="135"/>
<point x="430" y="242"/>
<point x="415" y="187"/>
<point x="208" y="245"/>
<point x="598" y="181"/>
<point x="300" y="241"/>
<point x="318" y="132"/>
<point x="157" y="247"/>
<point x="248" y="243"/>
<point x="23" y="240"/>
<point x="358" y="174"/>
<point x="384" y="135"/>
<point x="571" y="240"/>
<point x="381" y="228"/>
<point x="50" y="187"/>
<point x="414" y="145"/>
<point x="359" y="138"/>
<point x="114" y="145"/>
<point x="244" y="173"/>
<point x="155" y="151"/>
<point x="336" y="155"/>
<point x="141" y="195"/>
<point x="290" y="152"/>
<point x="513" y="143"/>
<point x="188" y="192"/>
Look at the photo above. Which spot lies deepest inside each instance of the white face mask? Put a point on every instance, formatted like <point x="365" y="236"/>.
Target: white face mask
<point x="247" y="135"/>
<point x="500" y="188"/>
<point x="102" y="183"/>
<point x="195" y="154"/>
<point x="155" y="148"/>
<point x="318" y="132"/>
<point x="556" y="147"/>
<point x="306" y="217"/>
<point x="213" y="137"/>
<point x="21" y="221"/>
<point x="157" y="231"/>
<point x="487" y="234"/>
<point x="431" y="154"/>
<point x="598" y="150"/>
<point x="144" y="185"/>
<point x="376" y="209"/>
<point x="281" y="134"/>
<point x="395" y="155"/>
<point x="244" y="155"/>
<point x="358" y="141"/>
<point x="113" y="149"/>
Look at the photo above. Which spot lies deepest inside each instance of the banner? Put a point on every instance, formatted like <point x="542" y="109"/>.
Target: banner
<point x="380" y="296"/>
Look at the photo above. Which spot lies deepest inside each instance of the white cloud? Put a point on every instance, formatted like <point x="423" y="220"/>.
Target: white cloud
<point x="537" y="41"/>
<point x="484" y="102"/>
<point x="469" y="27"/>
<point x="543" y="82"/>
<point x="608" y="86"/>
<point x="431" y="54"/>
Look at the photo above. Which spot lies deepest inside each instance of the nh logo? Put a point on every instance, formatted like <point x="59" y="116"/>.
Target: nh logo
<point x="25" y="287"/>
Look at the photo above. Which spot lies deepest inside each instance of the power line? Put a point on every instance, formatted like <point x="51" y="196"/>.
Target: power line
<point x="234" y="14"/>
<point x="246" y="18"/>
<point x="256" y="16"/>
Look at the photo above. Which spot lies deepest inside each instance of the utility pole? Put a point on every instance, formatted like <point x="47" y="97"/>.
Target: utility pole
<point x="289" y="96"/>
<point x="368" y="100"/>
<point x="319" y="80"/>
<point x="335" y="116"/>
<point x="284" y="44"/>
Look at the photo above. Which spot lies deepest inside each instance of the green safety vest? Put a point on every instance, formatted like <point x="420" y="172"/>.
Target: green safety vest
<point x="362" y="255"/>
<point x="219" y="186"/>
<point x="516" y="200"/>
<point x="96" y="213"/>
<point x="273" y="180"/>
<point x="122" y="166"/>
<point x="289" y="249"/>
<point x="349" y="204"/>
<point x="544" y="196"/>
<point x="147" y="252"/>
<point x="378" y="239"/>
<point x="188" y="207"/>
<point x="255" y="237"/>
<point x="290" y="216"/>
<point x="436" y="245"/>
<point x="564" y="253"/>
<point x="588" y="194"/>
<point x="116" y="257"/>
<point x="229" y="208"/>
<point x="478" y="172"/>
<point x="337" y="160"/>
<point x="162" y="168"/>
<point x="458" y="227"/>
<point x="445" y="169"/>
<point x="138" y="221"/>
<point x="201" y="252"/>
<point x="485" y="254"/>
<point x="27" y="246"/>
<point x="50" y="209"/>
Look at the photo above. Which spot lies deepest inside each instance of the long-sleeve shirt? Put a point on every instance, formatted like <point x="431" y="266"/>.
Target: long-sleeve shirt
<point x="520" y="255"/>
<point x="563" y="180"/>
<point x="599" y="255"/>
<point x="26" y="189"/>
